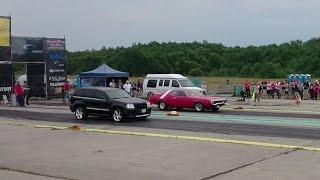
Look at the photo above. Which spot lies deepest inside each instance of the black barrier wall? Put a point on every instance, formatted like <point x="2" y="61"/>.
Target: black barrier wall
<point x="54" y="50"/>
<point x="45" y="59"/>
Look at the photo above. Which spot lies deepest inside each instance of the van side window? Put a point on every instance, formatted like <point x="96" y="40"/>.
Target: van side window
<point x="152" y="84"/>
<point x="160" y="82"/>
<point x="166" y="82"/>
<point x="174" y="83"/>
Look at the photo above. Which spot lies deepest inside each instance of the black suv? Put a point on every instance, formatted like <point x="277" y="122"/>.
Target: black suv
<point x="103" y="101"/>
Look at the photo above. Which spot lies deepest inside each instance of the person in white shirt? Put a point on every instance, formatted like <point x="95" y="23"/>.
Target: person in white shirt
<point x="112" y="84"/>
<point x="127" y="87"/>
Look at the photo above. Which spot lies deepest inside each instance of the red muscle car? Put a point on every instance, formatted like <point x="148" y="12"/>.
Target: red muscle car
<point x="190" y="99"/>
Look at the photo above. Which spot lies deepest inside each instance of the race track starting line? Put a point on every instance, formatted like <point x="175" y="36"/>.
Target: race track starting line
<point x="193" y="138"/>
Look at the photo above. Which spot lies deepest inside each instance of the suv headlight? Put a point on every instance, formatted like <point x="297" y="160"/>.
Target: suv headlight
<point x="130" y="106"/>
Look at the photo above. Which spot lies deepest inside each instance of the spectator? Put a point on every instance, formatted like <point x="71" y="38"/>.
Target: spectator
<point x="26" y="92"/>
<point x="18" y="90"/>
<point x="66" y="90"/>
<point x="112" y="84"/>
<point x="286" y="89"/>
<point x="256" y="92"/>
<point x="296" y="94"/>
<point x="316" y="90"/>
<point x="127" y="87"/>
<point x="273" y="88"/>
<point x="140" y="87"/>
<point x="134" y="89"/>
<point x="119" y="84"/>
<point x="247" y="89"/>
<point x="311" y="91"/>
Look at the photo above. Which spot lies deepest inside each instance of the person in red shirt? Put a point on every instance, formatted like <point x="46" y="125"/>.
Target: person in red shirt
<point x="316" y="90"/>
<point x="19" y="92"/>
<point x="66" y="90"/>
<point x="247" y="89"/>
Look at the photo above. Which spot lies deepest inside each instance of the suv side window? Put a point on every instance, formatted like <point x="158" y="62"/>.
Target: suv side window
<point x="152" y="84"/>
<point x="174" y="83"/>
<point x="166" y="82"/>
<point x="90" y="93"/>
<point x="160" y="82"/>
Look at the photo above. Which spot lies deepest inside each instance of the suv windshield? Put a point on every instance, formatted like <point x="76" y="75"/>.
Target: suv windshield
<point x="186" y="83"/>
<point x="117" y="94"/>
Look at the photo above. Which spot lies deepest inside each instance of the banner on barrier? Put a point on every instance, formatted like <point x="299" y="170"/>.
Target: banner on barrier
<point x="6" y="71"/>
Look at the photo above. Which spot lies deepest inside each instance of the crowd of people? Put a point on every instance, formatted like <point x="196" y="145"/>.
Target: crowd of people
<point x="132" y="88"/>
<point x="290" y="90"/>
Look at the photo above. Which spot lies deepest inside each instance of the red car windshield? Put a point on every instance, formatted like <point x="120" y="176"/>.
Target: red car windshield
<point x="194" y="93"/>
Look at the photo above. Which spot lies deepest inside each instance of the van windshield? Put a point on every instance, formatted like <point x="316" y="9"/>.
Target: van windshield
<point x="186" y="83"/>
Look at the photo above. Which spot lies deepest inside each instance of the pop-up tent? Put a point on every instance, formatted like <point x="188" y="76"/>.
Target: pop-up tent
<point x="100" y="76"/>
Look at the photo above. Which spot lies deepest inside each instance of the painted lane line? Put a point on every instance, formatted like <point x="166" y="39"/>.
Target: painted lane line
<point x="248" y="120"/>
<point x="170" y="136"/>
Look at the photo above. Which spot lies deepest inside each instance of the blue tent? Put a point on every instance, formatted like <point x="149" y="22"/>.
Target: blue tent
<point x="104" y="71"/>
<point x="100" y="76"/>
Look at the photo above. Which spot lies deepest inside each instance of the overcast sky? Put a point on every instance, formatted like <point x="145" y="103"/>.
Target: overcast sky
<point x="91" y="24"/>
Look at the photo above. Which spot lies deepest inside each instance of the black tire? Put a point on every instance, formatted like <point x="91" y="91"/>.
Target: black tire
<point x="143" y="118"/>
<point x="215" y="109"/>
<point x="199" y="107"/>
<point x="81" y="113"/>
<point x="117" y="115"/>
<point x="162" y="106"/>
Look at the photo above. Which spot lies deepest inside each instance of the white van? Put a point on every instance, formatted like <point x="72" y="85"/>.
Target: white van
<point x="160" y="83"/>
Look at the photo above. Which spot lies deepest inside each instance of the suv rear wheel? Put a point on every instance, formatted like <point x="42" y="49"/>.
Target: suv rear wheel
<point x="81" y="113"/>
<point x="117" y="115"/>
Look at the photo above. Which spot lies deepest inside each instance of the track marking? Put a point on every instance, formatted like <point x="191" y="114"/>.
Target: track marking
<point x="170" y="136"/>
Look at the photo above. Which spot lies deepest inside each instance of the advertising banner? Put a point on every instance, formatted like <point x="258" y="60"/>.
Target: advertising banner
<point x="56" y="62"/>
<point x="6" y="71"/>
<point x="27" y="49"/>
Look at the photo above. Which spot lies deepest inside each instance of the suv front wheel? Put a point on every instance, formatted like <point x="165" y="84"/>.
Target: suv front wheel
<point x="117" y="115"/>
<point x="81" y="113"/>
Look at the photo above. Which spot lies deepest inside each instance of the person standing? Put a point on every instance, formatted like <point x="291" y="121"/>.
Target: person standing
<point x="26" y="92"/>
<point x="119" y="84"/>
<point x="256" y="92"/>
<point x="112" y="84"/>
<point x="247" y="89"/>
<point x="140" y="87"/>
<point x="316" y="90"/>
<point x="127" y="87"/>
<point x="296" y="92"/>
<point x="286" y="89"/>
<point x="66" y="90"/>
<point x="18" y="90"/>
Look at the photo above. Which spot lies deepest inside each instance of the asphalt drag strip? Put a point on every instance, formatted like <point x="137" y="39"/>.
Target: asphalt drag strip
<point x="191" y="122"/>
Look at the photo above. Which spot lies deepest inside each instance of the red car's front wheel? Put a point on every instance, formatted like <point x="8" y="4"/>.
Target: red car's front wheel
<point x="162" y="106"/>
<point x="199" y="107"/>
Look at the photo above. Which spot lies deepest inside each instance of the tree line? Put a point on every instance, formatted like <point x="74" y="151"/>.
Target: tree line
<point x="204" y="59"/>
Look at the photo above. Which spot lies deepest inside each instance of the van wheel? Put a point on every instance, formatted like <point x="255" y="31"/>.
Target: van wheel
<point x="198" y="107"/>
<point x="81" y="113"/>
<point x="162" y="106"/>
<point x="117" y="115"/>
